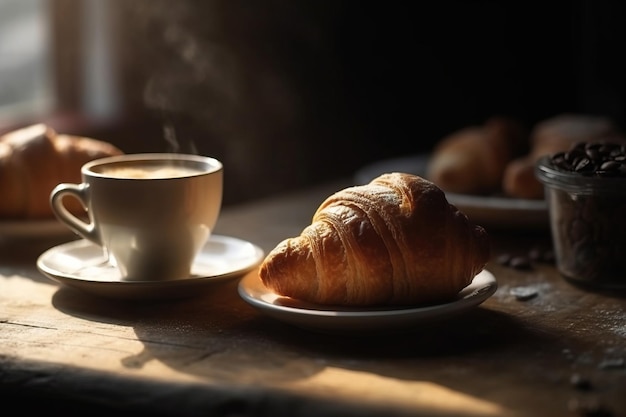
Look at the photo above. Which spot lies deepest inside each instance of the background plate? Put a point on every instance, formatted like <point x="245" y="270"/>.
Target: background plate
<point x="489" y="212"/>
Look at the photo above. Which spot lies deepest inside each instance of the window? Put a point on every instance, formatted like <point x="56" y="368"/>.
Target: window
<point x="25" y="69"/>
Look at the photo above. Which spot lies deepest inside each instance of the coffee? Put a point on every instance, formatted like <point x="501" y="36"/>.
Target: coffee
<point x="149" y="172"/>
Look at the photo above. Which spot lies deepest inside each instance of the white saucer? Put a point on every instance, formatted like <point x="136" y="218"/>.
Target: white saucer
<point x="355" y="320"/>
<point x="81" y="264"/>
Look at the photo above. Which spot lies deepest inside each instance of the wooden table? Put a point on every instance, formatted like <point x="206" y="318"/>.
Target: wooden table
<point x="558" y="353"/>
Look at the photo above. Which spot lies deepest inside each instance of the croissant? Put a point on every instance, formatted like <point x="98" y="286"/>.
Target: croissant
<point x="472" y="160"/>
<point x="394" y="241"/>
<point x="33" y="160"/>
<point x="556" y="134"/>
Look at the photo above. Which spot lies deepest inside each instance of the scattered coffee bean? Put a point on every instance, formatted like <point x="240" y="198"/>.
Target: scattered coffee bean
<point x="581" y="383"/>
<point x="535" y="255"/>
<point x="504" y="259"/>
<point x="541" y="255"/>
<point x="520" y="262"/>
<point x="524" y="293"/>
<point x="589" y="408"/>
<point x="525" y="262"/>
<point x="613" y="363"/>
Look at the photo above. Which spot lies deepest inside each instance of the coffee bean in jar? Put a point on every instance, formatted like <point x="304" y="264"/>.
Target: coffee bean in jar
<point x="585" y="189"/>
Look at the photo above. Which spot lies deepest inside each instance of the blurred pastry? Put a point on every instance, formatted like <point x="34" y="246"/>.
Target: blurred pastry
<point x="556" y="134"/>
<point x="472" y="160"/>
<point x="394" y="241"/>
<point x="33" y="160"/>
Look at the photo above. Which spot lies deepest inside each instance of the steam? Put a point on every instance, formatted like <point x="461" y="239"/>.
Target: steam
<point x="169" y="134"/>
<point x="163" y="97"/>
<point x="184" y="86"/>
<point x="238" y="75"/>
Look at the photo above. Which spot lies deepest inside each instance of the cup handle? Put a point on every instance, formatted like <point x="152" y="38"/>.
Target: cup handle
<point x="81" y="193"/>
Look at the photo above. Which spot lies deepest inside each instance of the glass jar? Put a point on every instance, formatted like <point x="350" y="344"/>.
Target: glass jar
<point x="587" y="207"/>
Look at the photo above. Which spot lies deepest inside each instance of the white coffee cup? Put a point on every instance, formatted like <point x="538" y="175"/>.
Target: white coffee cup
<point x="152" y="213"/>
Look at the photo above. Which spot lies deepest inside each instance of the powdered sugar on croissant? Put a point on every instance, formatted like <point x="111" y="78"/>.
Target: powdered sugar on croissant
<point x="394" y="241"/>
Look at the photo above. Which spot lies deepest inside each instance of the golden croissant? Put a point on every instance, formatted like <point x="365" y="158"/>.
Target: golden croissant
<point x="394" y="241"/>
<point x="33" y="160"/>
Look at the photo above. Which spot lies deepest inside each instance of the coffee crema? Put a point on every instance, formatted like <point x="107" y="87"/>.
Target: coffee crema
<point x="147" y="172"/>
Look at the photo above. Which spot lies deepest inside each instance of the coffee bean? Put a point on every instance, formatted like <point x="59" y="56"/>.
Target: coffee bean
<point x="504" y="259"/>
<point x="535" y="255"/>
<point x="600" y="159"/>
<point x="592" y="153"/>
<point x="583" y="164"/>
<point x="581" y="383"/>
<point x="589" y="408"/>
<point x="524" y="293"/>
<point x="612" y="363"/>
<point x="541" y="255"/>
<point x="610" y="165"/>
<point x="520" y="262"/>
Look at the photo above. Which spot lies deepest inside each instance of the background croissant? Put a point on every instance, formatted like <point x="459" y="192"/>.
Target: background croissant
<point x="556" y="134"/>
<point x="394" y="241"/>
<point x="472" y="160"/>
<point x="33" y="160"/>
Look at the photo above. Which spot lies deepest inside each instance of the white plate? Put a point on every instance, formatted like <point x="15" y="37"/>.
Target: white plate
<point x="81" y="264"/>
<point x="31" y="229"/>
<point x="355" y="320"/>
<point x="497" y="212"/>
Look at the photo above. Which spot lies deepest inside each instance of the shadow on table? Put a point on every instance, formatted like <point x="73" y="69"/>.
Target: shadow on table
<point x="195" y="335"/>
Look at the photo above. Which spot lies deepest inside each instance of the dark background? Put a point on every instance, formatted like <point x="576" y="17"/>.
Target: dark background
<point x="291" y="93"/>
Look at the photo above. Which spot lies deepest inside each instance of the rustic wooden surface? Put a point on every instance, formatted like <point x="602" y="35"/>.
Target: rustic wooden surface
<point x="61" y="349"/>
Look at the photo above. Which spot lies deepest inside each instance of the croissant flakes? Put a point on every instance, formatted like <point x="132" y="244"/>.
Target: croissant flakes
<point x="394" y="241"/>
